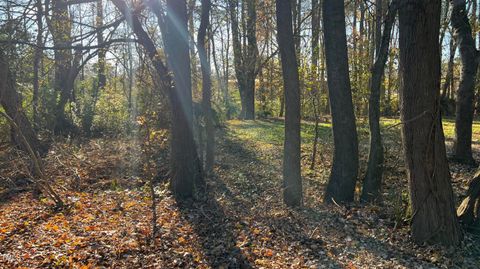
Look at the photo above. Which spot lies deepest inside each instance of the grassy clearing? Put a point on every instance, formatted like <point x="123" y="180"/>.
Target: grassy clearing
<point x="272" y="131"/>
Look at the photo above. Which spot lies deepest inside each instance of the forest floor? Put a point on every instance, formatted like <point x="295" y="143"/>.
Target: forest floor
<point x="240" y="222"/>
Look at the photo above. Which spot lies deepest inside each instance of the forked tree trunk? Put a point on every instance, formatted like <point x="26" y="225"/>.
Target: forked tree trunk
<point x="341" y="185"/>
<point x="431" y="196"/>
<point x="373" y="177"/>
<point x="466" y="89"/>
<point x="292" y="180"/>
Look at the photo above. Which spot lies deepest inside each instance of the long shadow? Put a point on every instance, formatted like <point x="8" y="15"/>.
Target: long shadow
<point x="316" y="249"/>
<point x="210" y="223"/>
<point x="210" y="220"/>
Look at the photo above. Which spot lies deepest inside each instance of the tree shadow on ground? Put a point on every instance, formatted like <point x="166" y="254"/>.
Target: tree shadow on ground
<point x="210" y="223"/>
<point x="228" y="202"/>
<point x="296" y="227"/>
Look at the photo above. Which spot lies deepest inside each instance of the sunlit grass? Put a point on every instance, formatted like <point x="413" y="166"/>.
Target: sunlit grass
<point x="271" y="132"/>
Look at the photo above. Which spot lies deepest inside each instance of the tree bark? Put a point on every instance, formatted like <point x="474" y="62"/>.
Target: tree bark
<point x="467" y="212"/>
<point x="292" y="180"/>
<point x="206" y="85"/>
<point x="449" y="75"/>
<point x="183" y="148"/>
<point x="184" y="164"/>
<point x="378" y="26"/>
<point x="431" y="196"/>
<point x="36" y="63"/>
<point x="89" y="112"/>
<point x="466" y="90"/>
<point x="341" y="186"/>
<point x="60" y="26"/>
<point x="245" y="56"/>
<point x="315" y="61"/>
<point x="12" y="104"/>
<point x="373" y="177"/>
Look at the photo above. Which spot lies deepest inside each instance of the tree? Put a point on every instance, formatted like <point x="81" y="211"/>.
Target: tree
<point x="184" y="170"/>
<point x="12" y="104"/>
<point x="36" y="61"/>
<point x="184" y="155"/>
<point x="315" y="59"/>
<point x="431" y="196"/>
<point x="60" y="26"/>
<point x="245" y="54"/>
<point x="466" y="90"/>
<point x="206" y="85"/>
<point x="101" y="69"/>
<point x="373" y="177"/>
<point x="341" y="185"/>
<point x="292" y="181"/>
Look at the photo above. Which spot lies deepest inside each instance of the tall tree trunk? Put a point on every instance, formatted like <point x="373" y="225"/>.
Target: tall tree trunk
<point x="191" y="5"/>
<point x="61" y="26"/>
<point x="221" y="78"/>
<point x="36" y="62"/>
<point x="315" y="59"/>
<point x="466" y="90"/>
<point x="183" y="148"/>
<point x="89" y="112"/>
<point x="373" y="177"/>
<point x="378" y="26"/>
<point x="341" y="186"/>
<point x="449" y="74"/>
<point x="185" y="168"/>
<point x="12" y="104"/>
<point x="445" y="21"/>
<point x="251" y="63"/>
<point x="245" y="54"/>
<point x="206" y="85"/>
<point x="296" y="8"/>
<point x="431" y="196"/>
<point x="292" y="180"/>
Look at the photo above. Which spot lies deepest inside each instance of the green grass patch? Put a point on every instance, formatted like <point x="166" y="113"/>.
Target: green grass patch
<point x="271" y="131"/>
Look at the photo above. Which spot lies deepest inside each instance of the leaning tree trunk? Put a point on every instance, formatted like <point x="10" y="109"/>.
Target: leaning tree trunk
<point x="341" y="186"/>
<point x="466" y="90"/>
<point x="206" y="85"/>
<point x="373" y="177"/>
<point x="431" y="196"/>
<point x="12" y="104"/>
<point x="292" y="180"/>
